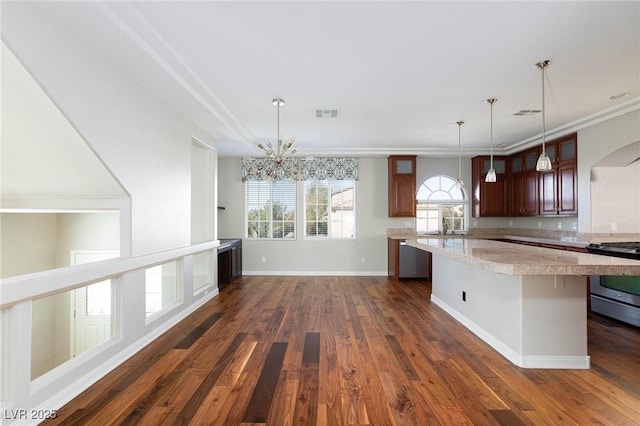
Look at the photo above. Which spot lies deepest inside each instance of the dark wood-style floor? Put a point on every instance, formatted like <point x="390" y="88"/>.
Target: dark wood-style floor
<point x="352" y="351"/>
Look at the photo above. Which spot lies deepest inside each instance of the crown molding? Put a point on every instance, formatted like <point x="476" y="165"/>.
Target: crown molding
<point x="131" y="20"/>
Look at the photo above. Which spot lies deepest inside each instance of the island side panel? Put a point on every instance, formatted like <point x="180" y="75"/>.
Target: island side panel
<point x="555" y="322"/>
<point x="533" y="321"/>
<point x="493" y="306"/>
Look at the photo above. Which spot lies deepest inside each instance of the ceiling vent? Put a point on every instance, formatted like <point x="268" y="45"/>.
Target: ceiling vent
<point x="528" y="112"/>
<point x="326" y="113"/>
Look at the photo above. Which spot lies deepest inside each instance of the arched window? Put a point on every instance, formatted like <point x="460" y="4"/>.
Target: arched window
<point x="441" y="204"/>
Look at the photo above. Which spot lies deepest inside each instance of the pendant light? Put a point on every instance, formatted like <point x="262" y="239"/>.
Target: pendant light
<point x="544" y="163"/>
<point x="491" y="174"/>
<point x="459" y="182"/>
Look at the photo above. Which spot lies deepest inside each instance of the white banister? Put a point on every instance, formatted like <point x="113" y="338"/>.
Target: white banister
<point x="38" y="284"/>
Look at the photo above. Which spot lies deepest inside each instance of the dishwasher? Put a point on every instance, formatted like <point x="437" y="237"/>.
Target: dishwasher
<point x="413" y="262"/>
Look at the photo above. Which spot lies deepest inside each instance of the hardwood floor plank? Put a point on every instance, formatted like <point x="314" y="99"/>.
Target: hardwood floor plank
<point x="351" y="394"/>
<point x="306" y="407"/>
<point x="192" y="405"/>
<point x="352" y="350"/>
<point x="119" y="402"/>
<point x="356" y="327"/>
<point x="197" y="332"/>
<point x="402" y="358"/>
<point x="211" y="406"/>
<point x="311" y="351"/>
<point x="506" y="417"/>
<point x="403" y="406"/>
<point x="285" y="400"/>
<point x="260" y="402"/>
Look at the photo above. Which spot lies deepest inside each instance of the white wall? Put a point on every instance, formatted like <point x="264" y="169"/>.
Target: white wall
<point x="615" y="199"/>
<point x="332" y="256"/>
<point x="144" y="143"/>
<point x="29" y="243"/>
<point x="86" y="231"/>
<point x="42" y="154"/>
<point x="312" y="256"/>
<point x="33" y="242"/>
<point x="595" y="143"/>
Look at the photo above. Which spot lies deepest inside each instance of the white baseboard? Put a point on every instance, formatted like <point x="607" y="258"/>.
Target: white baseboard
<point x="521" y="360"/>
<point x="320" y="273"/>
<point x="557" y="362"/>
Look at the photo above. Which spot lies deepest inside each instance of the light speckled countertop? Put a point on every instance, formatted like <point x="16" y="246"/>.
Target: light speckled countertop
<point x="517" y="259"/>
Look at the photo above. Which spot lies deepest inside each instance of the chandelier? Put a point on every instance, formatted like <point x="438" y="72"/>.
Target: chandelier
<point x="283" y="164"/>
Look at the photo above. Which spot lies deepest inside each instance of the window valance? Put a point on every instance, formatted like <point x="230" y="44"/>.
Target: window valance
<point x="319" y="168"/>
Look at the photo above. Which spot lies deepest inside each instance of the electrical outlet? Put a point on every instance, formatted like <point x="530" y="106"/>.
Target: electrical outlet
<point x="614" y="226"/>
<point x="363" y="259"/>
<point x="574" y="225"/>
<point x="559" y="225"/>
<point x="263" y="259"/>
<point x="539" y="224"/>
<point x="510" y="223"/>
<point x="464" y="296"/>
<point x="475" y="223"/>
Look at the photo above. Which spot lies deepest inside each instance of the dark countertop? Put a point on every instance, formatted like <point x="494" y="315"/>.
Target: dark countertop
<point x="228" y="242"/>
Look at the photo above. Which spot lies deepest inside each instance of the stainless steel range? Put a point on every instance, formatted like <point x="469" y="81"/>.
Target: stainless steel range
<point x="630" y="250"/>
<point x="617" y="296"/>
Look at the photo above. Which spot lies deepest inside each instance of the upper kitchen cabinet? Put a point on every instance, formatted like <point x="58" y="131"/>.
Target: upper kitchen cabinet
<point x="559" y="186"/>
<point x="489" y="198"/>
<point x="523" y="183"/>
<point x="402" y="186"/>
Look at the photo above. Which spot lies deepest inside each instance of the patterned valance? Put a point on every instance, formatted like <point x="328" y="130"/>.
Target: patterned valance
<point x="319" y="168"/>
<point x="268" y="169"/>
<point x="330" y="168"/>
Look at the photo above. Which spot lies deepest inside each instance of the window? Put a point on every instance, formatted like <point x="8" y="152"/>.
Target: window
<point x="271" y="209"/>
<point x="329" y="209"/>
<point x="440" y="203"/>
<point x="202" y="276"/>
<point x="161" y="287"/>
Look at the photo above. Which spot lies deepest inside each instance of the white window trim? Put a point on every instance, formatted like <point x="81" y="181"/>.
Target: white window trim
<point x="443" y="202"/>
<point x="246" y="217"/>
<point x="328" y="237"/>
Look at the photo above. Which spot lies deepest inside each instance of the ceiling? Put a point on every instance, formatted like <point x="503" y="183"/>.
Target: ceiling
<point x="400" y="74"/>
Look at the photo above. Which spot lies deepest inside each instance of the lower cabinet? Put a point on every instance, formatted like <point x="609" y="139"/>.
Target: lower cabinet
<point x="229" y="260"/>
<point x="405" y="261"/>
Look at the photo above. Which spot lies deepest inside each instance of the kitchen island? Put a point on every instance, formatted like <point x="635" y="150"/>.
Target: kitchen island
<point x="528" y="303"/>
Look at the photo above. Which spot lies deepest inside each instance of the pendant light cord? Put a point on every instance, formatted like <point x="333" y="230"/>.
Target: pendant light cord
<point x="492" y="135"/>
<point x="544" y="124"/>
<point x="491" y="102"/>
<point x="278" y="127"/>
<point x="460" y="123"/>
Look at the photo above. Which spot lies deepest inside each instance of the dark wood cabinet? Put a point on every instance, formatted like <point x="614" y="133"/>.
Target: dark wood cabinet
<point x="402" y="186"/>
<point x="559" y="186"/>
<point x="393" y="257"/>
<point x="489" y="198"/>
<point x="229" y="260"/>
<point x="523" y="184"/>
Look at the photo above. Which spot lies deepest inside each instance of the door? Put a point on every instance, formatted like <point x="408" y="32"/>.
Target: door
<point x="548" y="195"/>
<point x="567" y="189"/>
<point x="90" y="305"/>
